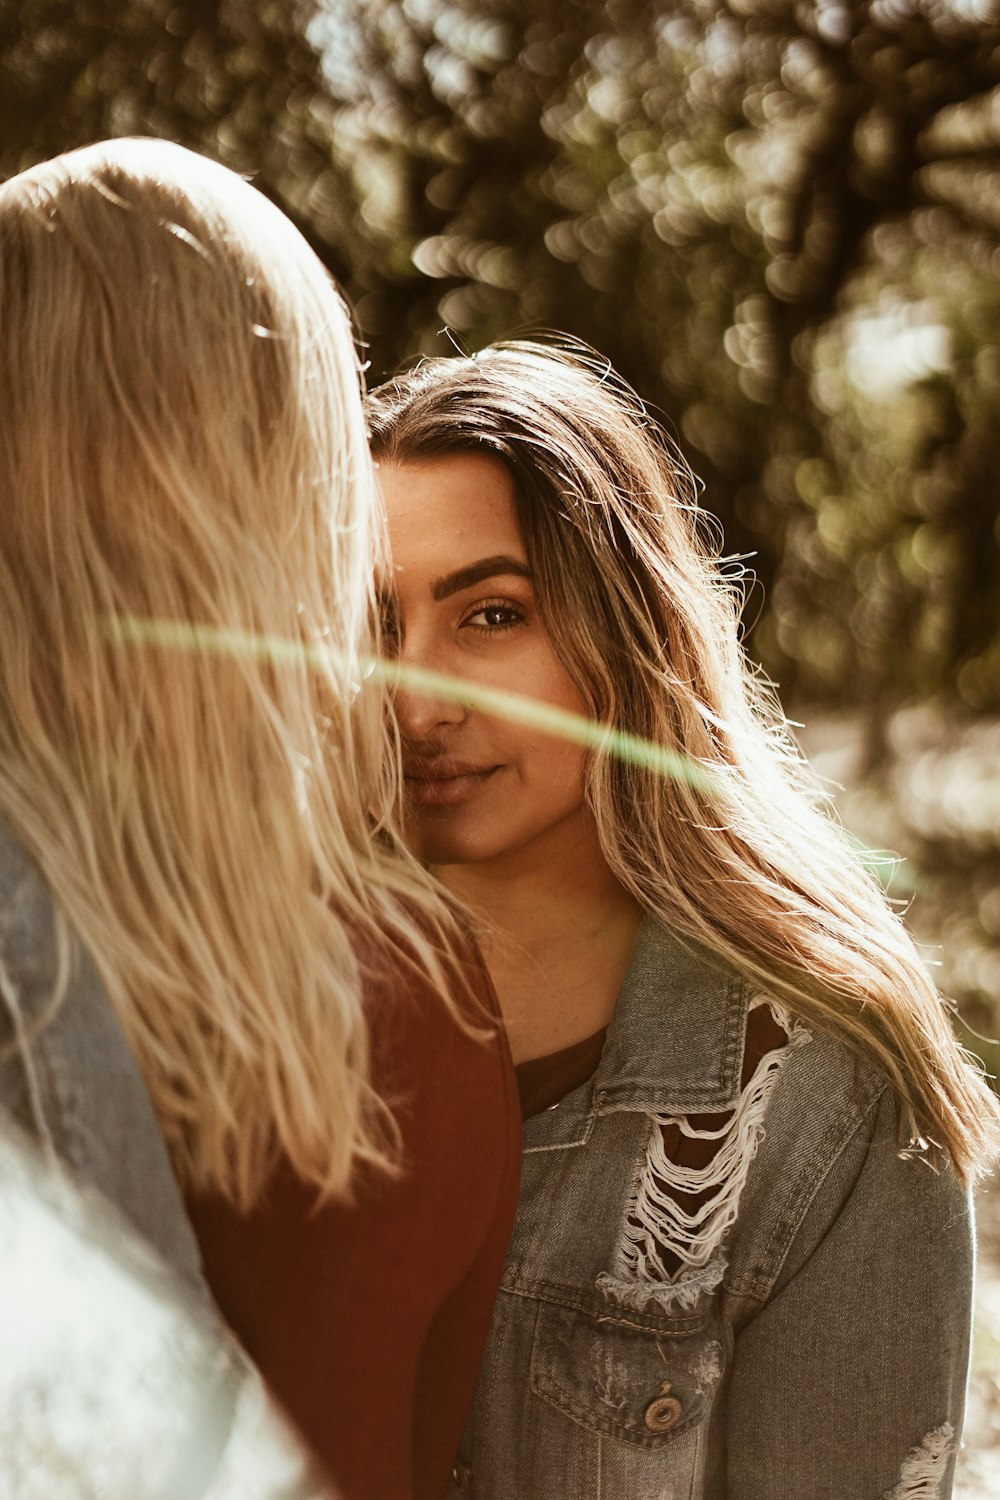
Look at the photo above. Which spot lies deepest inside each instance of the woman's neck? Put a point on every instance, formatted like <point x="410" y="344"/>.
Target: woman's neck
<point x="557" y="934"/>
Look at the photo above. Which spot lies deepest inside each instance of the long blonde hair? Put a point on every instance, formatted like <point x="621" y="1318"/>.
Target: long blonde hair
<point x="181" y="440"/>
<point x="646" y="622"/>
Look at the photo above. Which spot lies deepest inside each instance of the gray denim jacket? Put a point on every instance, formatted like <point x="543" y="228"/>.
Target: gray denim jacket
<point x="68" y="1078"/>
<point x="813" y="1344"/>
<point x="115" y="1376"/>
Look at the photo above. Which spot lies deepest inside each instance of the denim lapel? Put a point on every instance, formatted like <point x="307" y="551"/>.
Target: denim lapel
<point x="676" y="1039"/>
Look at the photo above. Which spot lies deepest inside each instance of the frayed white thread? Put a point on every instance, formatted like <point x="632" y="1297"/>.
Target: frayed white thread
<point x="924" y="1467"/>
<point x="610" y="1378"/>
<point x="681" y="1295"/>
<point x="656" y="1223"/>
<point x="12" y="1000"/>
<point x="706" y="1372"/>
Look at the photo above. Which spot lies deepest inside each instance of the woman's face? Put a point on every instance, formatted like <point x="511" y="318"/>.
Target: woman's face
<point x="461" y="601"/>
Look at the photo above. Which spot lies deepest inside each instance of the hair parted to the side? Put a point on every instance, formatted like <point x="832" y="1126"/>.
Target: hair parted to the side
<point x="181" y="439"/>
<point x="647" y="623"/>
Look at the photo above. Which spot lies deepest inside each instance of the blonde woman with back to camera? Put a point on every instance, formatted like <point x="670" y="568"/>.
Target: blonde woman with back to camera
<point x="742" y="1261"/>
<point x="214" y="974"/>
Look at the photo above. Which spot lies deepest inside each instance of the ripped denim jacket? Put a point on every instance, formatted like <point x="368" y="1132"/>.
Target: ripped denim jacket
<point x="802" y="1335"/>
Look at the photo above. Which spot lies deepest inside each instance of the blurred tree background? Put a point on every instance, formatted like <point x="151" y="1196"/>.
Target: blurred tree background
<point x="779" y="218"/>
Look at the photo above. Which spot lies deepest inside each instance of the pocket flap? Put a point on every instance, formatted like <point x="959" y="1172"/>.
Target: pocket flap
<point x="622" y="1378"/>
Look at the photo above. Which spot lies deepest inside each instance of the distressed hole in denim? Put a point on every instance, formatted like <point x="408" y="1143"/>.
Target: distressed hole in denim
<point x="924" y="1467"/>
<point x="671" y="1254"/>
<point x="707" y="1368"/>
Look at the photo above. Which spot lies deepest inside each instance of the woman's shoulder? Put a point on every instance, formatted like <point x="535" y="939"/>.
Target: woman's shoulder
<point x="701" y="1033"/>
<point x="690" y="1030"/>
<point x="804" y="1124"/>
<point x="67" y="1075"/>
<point x="830" y="1152"/>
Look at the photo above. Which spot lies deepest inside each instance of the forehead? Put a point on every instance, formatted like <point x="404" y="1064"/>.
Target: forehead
<point x="444" y="513"/>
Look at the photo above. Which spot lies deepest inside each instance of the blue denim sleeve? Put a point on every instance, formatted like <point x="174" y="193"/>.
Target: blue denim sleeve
<point x="67" y="1075"/>
<point x="849" y="1381"/>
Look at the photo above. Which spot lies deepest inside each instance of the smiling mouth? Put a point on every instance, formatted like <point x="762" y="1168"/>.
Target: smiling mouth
<point x="436" y="789"/>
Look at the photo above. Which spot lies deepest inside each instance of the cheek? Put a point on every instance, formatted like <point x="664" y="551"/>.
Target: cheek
<point x="551" y="760"/>
<point x="555" y="766"/>
<point x="568" y="695"/>
<point x="574" y="771"/>
<point x="551" y="682"/>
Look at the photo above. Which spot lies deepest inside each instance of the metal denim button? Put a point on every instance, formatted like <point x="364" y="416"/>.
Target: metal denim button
<point x="665" y="1412"/>
<point x="461" y="1477"/>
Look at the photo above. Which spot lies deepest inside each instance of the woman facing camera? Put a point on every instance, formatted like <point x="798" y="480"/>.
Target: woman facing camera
<point x="742" y="1260"/>
<point x="203" y="944"/>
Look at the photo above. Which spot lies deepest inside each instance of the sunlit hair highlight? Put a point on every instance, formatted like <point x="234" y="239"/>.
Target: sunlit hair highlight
<point x="646" y="621"/>
<point x="181" y="438"/>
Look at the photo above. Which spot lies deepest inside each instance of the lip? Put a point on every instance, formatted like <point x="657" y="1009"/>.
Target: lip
<point x="439" y="787"/>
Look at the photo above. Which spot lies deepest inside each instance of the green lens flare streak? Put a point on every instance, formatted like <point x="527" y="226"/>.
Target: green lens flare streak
<point x="180" y="636"/>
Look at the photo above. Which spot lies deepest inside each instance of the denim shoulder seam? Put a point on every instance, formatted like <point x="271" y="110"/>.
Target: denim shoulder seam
<point x="738" y="997"/>
<point x="758" y="1280"/>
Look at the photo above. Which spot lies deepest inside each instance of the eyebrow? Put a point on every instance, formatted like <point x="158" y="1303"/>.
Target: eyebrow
<point x="487" y="567"/>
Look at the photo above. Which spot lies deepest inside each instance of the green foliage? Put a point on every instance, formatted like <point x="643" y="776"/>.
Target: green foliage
<point x="241" y="83"/>
<point x="712" y="194"/>
<point x="780" y="221"/>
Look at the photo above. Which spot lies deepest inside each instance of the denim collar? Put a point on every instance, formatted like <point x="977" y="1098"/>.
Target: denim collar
<point x="675" y="1042"/>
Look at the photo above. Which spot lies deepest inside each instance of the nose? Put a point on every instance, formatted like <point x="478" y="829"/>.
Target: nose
<point x="422" y="713"/>
<point x="422" y="716"/>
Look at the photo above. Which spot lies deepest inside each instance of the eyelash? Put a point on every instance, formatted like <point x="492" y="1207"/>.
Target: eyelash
<point x="485" y="606"/>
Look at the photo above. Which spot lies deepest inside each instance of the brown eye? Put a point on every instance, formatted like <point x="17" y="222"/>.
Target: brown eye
<point x="494" y="617"/>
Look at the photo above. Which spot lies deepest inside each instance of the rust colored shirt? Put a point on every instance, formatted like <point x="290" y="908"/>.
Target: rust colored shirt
<point x="368" y="1320"/>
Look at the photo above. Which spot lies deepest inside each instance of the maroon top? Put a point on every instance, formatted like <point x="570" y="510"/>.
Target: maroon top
<point x="368" y="1321"/>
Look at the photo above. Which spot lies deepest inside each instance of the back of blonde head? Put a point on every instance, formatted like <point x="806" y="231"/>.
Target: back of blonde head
<point x="181" y="439"/>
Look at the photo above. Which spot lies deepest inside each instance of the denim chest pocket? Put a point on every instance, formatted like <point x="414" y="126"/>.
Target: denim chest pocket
<point x="636" y="1381"/>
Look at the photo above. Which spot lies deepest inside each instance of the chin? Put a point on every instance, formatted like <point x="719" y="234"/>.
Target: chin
<point x="437" y="844"/>
<point x="436" y="850"/>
